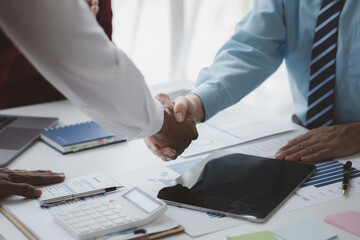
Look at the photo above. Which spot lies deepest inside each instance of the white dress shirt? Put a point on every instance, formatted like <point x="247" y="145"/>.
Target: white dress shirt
<point x="66" y="45"/>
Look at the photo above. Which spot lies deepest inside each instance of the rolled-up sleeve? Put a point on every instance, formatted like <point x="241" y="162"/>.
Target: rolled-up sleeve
<point x="67" y="46"/>
<point x="252" y="54"/>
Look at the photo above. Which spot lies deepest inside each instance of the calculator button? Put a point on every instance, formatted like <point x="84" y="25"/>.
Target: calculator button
<point x="107" y="224"/>
<point x="122" y="214"/>
<point x="101" y="209"/>
<point x="107" y="213"/>
<point x="90" y="212"/>
<point x="96" y="215"/>
<point x="106" y="203"/>
<point x="128" y="219"/>
<point x="117" y="210"/>
<point x="95" y="227"/>
<point x="62" y="213"/>
<point x="73" y="211"/>
<point x="111" y="206"/>
<point x="84" y="230"/>
<point x="136" y="217"/>
<point x="79" y="215"/>
<point x="72" y="221"/>
<point x="101" y="219"/>
<point x="85" y="208"/>
<point x="112" y="217"/>
<point x="118" y="221"/>
<point x="84" y="219"/>
<point x="66" y="217"/>
<point x="96" y="205"/>
<point x="79" y="225"/>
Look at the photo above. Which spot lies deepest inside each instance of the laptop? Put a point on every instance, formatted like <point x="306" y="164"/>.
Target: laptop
<point x="237" y="185"/>
<point x="18" y="132"/>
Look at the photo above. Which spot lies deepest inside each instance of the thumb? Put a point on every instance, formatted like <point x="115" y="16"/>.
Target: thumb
<point x="180" y="108"/>
<point x="21" y="189"/>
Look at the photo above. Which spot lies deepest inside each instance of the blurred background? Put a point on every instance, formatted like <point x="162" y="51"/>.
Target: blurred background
<point x="172" y="40"/>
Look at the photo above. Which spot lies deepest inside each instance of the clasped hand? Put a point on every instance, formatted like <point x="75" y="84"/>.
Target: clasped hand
<point x="174" y="136"/>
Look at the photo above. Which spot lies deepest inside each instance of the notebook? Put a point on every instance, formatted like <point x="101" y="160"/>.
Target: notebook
<point x="78" y="137"/>
<point x="237" y="185"/>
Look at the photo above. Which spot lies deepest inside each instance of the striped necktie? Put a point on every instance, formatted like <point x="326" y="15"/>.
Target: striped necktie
<point x="323" y="65"/>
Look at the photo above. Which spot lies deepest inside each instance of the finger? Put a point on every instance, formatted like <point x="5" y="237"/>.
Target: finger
<point x="284" y="155"/>
<point x="32" y="171"/>
<point x="94" y="9"/>
<point x="318" y="156"/>
<point x="296" y="141"/>
<point x="41" y="171"/>
<point x="95" y="2"/>
<point x="151" y="146"/>
<point x="180" y="108"/>
<point x="168" y="152"/>
<point x="5" y="170"/>
<point x="165" y="153"/>
<point x="36" y="179"/>
<point x="163" y="98"/>
<point x="288" y="149"/>
<point x="309" y="150"/>
<point x="21" y="189"/>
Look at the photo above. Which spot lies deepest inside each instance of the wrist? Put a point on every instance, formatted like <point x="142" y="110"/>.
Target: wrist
<point x="199" y="112"/>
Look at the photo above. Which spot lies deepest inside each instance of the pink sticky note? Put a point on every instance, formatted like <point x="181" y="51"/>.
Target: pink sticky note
<point x="348" y="221"/>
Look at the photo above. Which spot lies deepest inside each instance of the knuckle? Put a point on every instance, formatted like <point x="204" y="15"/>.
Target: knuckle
<point x="13" y="177"/>
<point x="26" y="188"/>
<point x="310" y="150"/>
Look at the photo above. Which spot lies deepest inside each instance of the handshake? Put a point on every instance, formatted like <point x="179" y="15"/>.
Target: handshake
<point x="179" y="127"/>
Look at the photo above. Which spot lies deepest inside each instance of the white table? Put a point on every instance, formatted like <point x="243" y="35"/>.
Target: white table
<point x="117" y="158"/>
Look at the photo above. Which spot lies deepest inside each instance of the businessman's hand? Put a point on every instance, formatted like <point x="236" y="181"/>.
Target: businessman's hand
<point x="94" y="6"/>
<point x="22" y="182"/>
<point x="174" y="137"/>
<point x="189" y="106"/>
<point x="323" y="143"/>
<point x="184" y="108"/>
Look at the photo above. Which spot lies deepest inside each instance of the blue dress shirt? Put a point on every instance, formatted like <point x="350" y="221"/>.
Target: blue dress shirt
<point x="283" y="29"/>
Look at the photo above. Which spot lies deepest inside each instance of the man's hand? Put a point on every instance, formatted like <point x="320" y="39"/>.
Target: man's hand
<point x="174" y="137"/>
<point x="94" y="6"/>
<point x="323" y="143"/>
<point x="22" y="182"/>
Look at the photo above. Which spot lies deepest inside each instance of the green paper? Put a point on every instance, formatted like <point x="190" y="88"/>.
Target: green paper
<point x="265" y="235"/>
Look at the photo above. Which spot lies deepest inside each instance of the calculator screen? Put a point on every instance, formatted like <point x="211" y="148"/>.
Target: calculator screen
<point x="143" y="201"/>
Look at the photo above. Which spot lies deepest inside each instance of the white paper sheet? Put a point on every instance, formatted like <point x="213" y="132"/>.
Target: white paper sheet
<point x="78" y="185"/>
<point x="237" y="124"/>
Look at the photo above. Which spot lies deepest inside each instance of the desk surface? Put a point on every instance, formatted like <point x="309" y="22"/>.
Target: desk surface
<point x="122" y="157"/>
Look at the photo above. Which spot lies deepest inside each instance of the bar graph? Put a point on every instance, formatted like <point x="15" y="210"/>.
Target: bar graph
<point x="328" y="173"/>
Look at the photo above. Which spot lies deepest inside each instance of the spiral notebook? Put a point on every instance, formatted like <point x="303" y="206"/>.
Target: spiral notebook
<point x="78" y="137"/>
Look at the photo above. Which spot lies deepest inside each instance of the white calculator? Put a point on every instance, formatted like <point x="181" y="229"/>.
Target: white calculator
<point x="89" y="220"/>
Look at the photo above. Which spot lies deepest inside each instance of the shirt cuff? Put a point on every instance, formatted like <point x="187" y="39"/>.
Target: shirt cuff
<point x="156" y="121"/>
<point x="211" y="98"/>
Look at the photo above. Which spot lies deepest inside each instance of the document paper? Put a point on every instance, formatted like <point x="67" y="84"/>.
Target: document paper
<point x="237" y="124"/>
<point x="78" y="185"/>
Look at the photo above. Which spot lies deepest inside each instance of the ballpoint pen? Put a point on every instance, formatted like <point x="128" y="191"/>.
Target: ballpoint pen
<point x="346" y="174"/>
<point x="56" y="201"/>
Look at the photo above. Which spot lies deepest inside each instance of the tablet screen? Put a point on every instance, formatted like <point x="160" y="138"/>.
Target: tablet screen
<point x="238" y="185"/>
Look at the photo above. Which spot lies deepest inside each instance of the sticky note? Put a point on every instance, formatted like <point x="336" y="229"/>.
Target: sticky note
<point x="348" y="221"/>
<point x="264" y="235"/>
<point x="303" y="230"/>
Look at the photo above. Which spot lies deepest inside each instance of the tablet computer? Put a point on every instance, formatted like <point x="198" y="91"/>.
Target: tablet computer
<point x="237" y="185"/>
